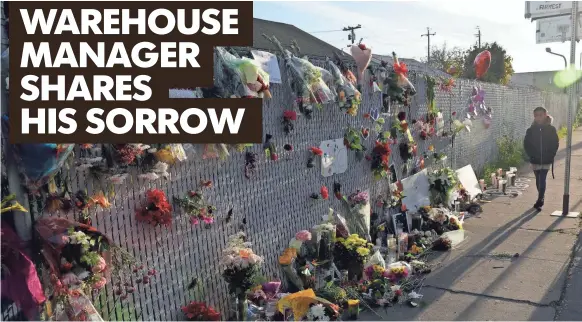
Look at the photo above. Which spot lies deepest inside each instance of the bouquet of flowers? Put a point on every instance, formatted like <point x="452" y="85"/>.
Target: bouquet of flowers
<point x="240" y="264"/>
<point x="321" y="312"/>
<point x="397" y="87"/>
<point x="287" y="263"/>
<point x="352" y="253"/>
<point x="377" y="283"/>
<point x="357" y="218"/>
<point x="243" y="77"/>
<point x="200" y="311"/>
<point x="348" y="97"/>
<point x="306" y="80"/>
<point x="353" y="141"/>
<point x="78" y="258"/>
<point x="301" y="304"/>
<point x="156" y="211"/>
<point x="443" y="182"/>
<point x="397" y="272"/>
<point x="195" y="205"/>
<point x="381" y="156"/>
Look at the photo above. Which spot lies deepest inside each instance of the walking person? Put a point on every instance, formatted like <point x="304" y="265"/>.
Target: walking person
<point x="541" y="145"/>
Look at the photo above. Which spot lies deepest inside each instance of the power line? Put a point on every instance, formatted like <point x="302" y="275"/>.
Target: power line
<point x="427" y="35"/>
<point x="322" y="31"/>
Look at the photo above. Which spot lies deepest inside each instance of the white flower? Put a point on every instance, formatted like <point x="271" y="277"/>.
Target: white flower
<point x="317" y="312"/>
<point x="395" y="288"/>
<point x="149" y="176"/>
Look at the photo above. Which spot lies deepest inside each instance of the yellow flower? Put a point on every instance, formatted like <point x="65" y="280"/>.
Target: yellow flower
<point x="363" y="251"/>
<point x="353" y="302"/>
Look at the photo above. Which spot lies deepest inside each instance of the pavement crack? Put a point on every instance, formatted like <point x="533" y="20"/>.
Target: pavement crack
<point x="561" y="230"/>
<point x="492" y="297"/>
<point x="502" y="257"/>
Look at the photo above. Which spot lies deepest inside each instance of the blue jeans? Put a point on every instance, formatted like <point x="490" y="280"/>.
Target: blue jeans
<point x="541" y="176"/>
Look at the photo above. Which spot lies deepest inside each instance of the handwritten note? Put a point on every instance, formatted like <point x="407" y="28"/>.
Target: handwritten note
<point x="270" y="64"/>
<point x="335" y="157"/>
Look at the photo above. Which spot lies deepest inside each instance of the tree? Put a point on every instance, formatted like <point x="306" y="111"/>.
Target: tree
<point x="447" y="60"/>
<point x="501" y="67"/>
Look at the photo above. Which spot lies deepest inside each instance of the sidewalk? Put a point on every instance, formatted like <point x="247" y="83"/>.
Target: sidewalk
<point x="480" y="280"/>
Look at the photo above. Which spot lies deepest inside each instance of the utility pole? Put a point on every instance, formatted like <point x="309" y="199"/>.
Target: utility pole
<point x="428" y="34"/>
<point x="352" y="35"/>
<point x="478" y="35"/>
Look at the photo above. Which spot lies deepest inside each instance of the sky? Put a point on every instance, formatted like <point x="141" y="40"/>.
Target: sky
<point x="397" y="26"/>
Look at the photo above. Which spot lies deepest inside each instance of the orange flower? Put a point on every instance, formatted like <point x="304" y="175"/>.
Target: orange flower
<point x="244" y="253"/>
<point x="101" y="200"/>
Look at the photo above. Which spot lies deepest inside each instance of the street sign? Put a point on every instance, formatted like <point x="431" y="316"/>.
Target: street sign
<point x="547" y="9"/>
<point x="555" y="29"/>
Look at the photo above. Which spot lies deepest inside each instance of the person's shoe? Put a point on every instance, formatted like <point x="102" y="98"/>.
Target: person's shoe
<point x="538" y="205"/>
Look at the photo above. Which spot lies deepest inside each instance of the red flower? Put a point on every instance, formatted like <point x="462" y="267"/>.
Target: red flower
<point x="207" y="184"/>
<point x="367" y="115"/>
<point x="369" y="158"/>
<point x="199" y="311"/>
<point x="324" y="192"/>
<point x="316" y="151"/>
<point x="401" y="69"/>
<point x="274" y="156"/>
<point x="454" y="113"/>
<point x="157" y="210"/>
<point x="290" y="115"/>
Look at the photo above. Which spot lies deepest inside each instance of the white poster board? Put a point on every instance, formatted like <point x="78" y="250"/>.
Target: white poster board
<point x="555" y="29"/>
<point x="469" y="181"/>
<point x="270" y="64"/>
<point x="416" y="191"/>
<point x="335" y="157"/>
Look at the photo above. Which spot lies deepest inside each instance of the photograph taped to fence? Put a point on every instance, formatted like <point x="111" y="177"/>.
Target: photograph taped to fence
<point x="99" y="72"/>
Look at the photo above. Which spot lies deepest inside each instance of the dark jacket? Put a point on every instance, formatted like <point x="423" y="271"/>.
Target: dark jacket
<point x="541" y="143"/>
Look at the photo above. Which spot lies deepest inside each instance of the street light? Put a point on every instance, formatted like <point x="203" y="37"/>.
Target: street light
<point x="549" y="51"/>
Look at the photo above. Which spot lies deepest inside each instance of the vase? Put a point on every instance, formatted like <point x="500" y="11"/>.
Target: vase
<point x="240" y="307"/>
<point x="355" y="270"/>
<point x="326" y="243"/>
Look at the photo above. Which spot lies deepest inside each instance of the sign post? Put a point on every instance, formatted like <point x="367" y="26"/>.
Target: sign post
<point x="571" y="107"/>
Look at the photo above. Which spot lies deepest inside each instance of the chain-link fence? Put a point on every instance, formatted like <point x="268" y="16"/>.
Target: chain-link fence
<point x="275" y="204"/>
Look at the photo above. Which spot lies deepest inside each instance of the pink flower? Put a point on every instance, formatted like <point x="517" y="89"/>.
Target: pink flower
<point x="65" y="239"/>
<point x="100" y="283"/>
<point x="194" y="220"/>
<point x="100" y="266"/>
<point x="303" y="235"/>
<point x="208" y="220"/>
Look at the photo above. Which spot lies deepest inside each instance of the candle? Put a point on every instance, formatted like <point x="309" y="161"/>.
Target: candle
<point x="482" y="184"/>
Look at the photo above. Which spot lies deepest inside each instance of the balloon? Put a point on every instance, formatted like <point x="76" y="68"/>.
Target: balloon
<point x="362" y="56"/>
<point x="482" y="63"/>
